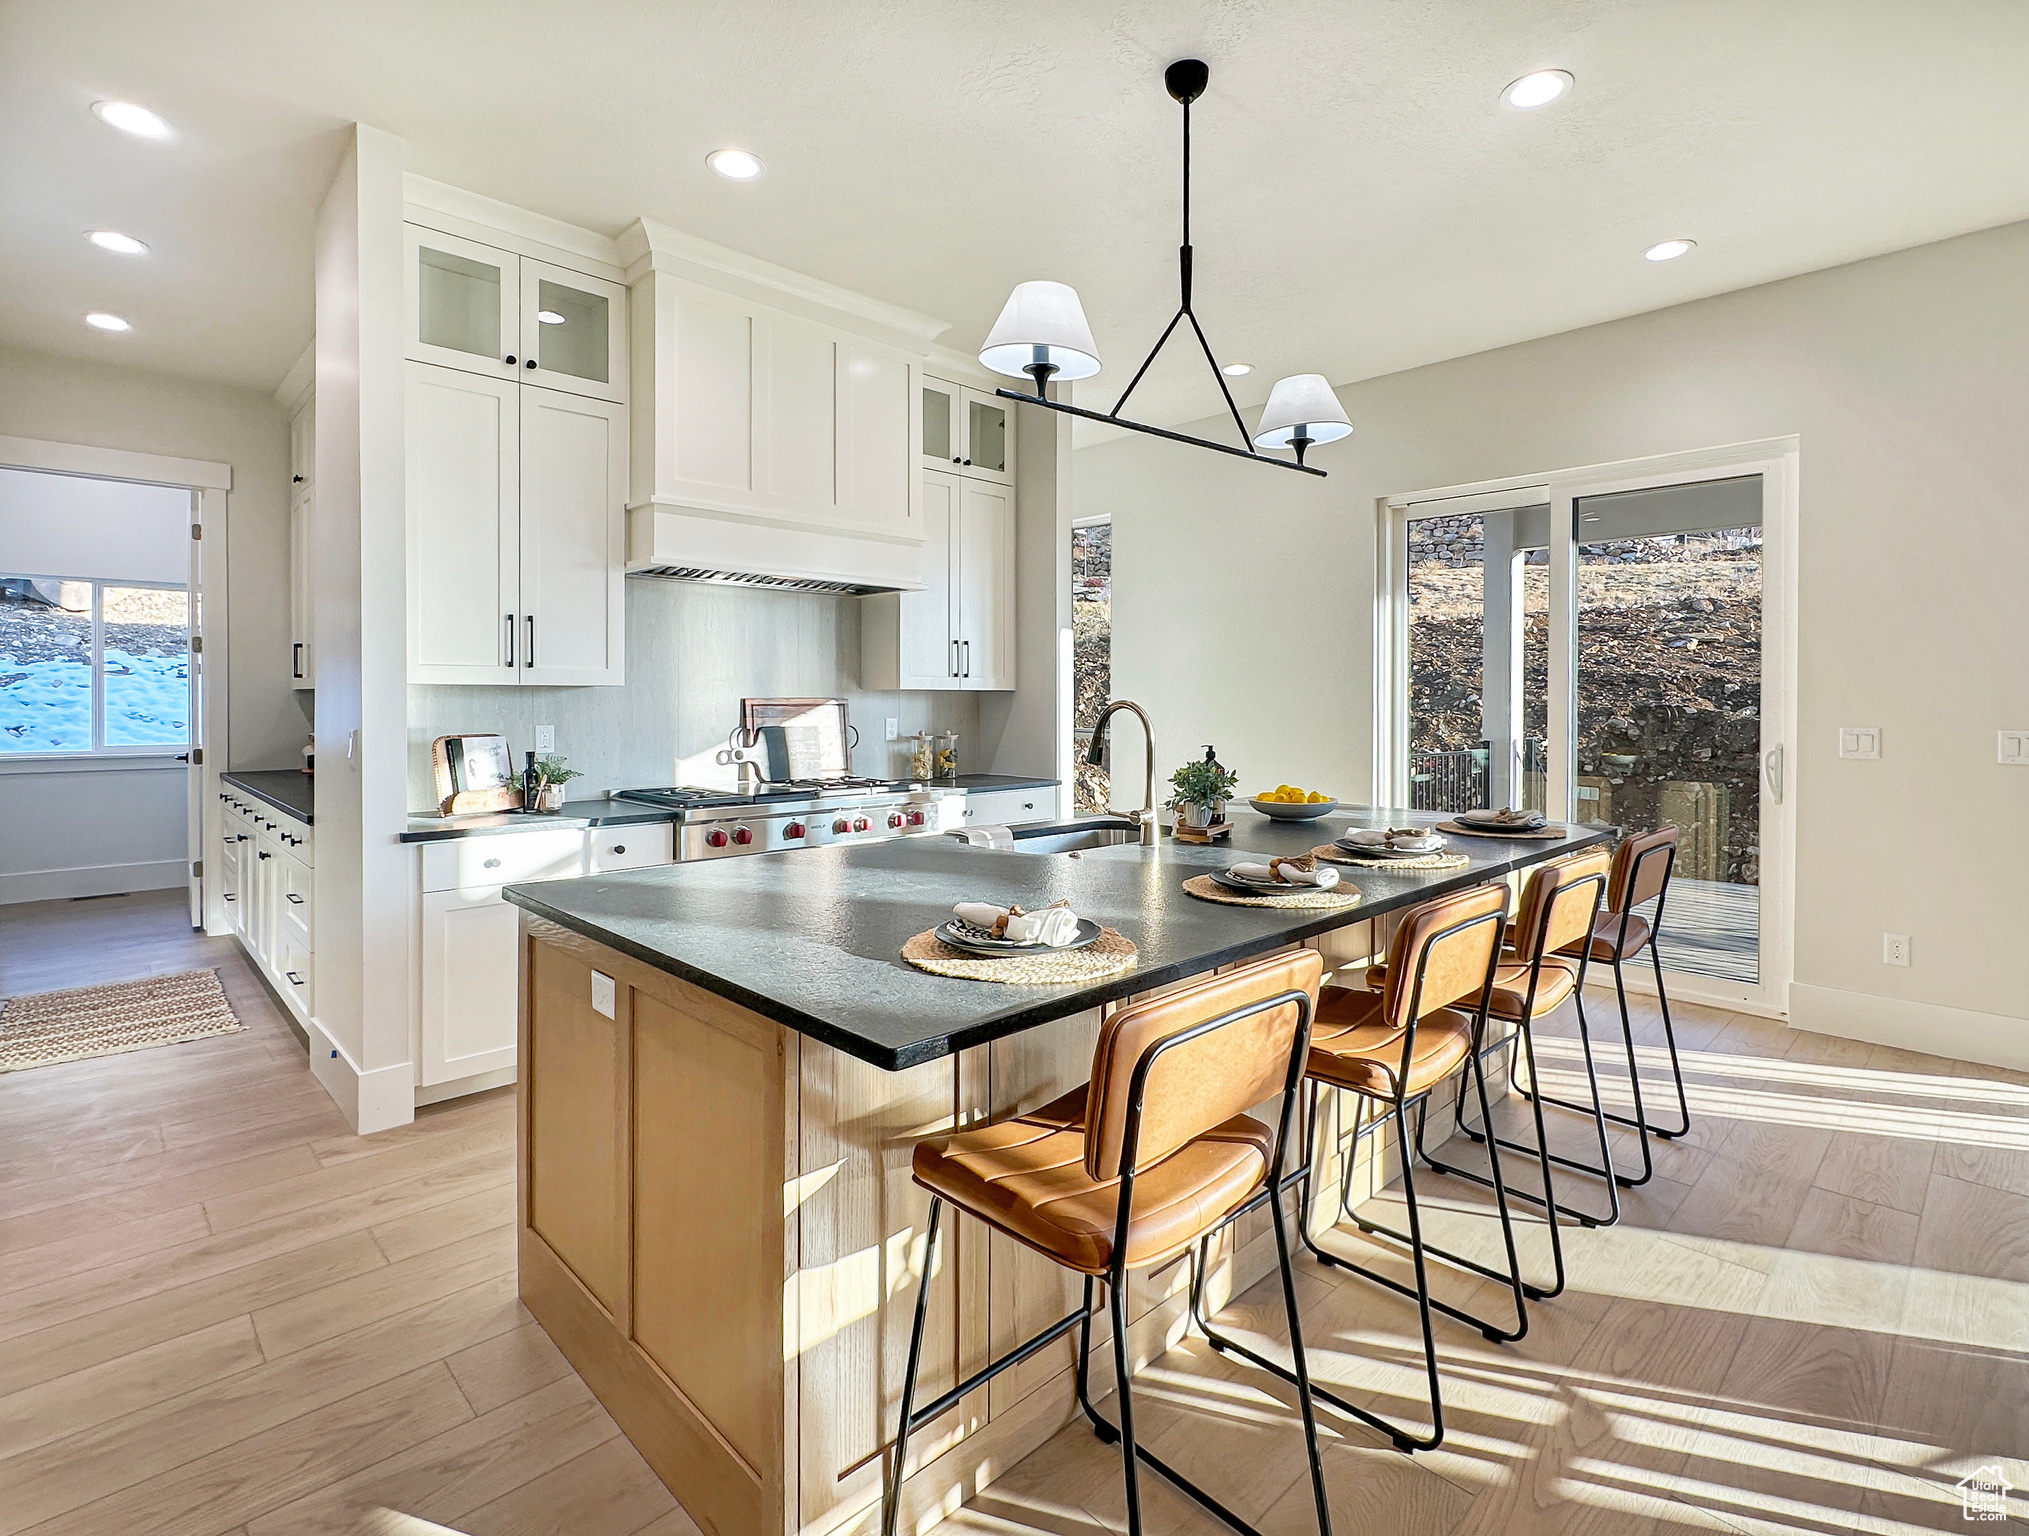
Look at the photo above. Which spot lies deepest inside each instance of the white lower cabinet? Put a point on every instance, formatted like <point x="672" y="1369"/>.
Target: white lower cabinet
<point x="469" y="933"/>
<point x="1010" y="807"/>
<point x="266" y="859"/>
<point x="958" y="632"/>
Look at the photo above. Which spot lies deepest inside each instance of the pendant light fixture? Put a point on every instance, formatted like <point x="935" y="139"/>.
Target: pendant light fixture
<point x="1042" y="334"/>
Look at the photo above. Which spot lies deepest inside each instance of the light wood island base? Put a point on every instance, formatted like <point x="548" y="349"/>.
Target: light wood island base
<point x="718" y="1228"/>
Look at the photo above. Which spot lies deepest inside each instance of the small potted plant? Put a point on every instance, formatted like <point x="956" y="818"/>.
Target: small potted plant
<point x="551" y="777"/>
<point x="1200" y="790"/>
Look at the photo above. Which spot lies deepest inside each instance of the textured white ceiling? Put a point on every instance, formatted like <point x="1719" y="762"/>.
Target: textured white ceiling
<point x="1363" y="202"/>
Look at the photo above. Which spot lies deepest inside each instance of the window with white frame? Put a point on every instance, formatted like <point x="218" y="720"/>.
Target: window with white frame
<point x="89" y="665"/>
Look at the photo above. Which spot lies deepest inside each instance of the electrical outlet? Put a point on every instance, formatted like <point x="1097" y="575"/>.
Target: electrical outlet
<point x="1861" y="741"/>
<point x="2014" y="748"/>
<point x="894" y="728"/>
<point x="602" y="994"/>
<point x="1895" y="949"/>
<point x="545" y="738"/>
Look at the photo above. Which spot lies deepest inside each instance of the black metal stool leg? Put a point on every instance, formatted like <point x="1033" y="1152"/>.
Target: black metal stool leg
<point x="1670" y="1039"/>
<point x="1116" y="1303"/>
<point x="892" y="1496"/>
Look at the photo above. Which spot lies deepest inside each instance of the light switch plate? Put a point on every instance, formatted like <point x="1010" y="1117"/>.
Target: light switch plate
<point x="602" y="993"/>
<point x="545" y="738"/>
<point x="2014" y="749"/>
<point x="1861" y="741"/>
<point x="1895" y="949"/>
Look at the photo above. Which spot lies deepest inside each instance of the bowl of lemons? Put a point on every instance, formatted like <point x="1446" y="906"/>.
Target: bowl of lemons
<point x="1288" y="802"/>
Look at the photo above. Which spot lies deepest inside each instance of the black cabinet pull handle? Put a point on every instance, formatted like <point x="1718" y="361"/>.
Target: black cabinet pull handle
<point x="296" y="479"/>
<point x="294" y="977"/>
<point x="510" y="359"/>
<point x="294" y="897"/>
<point x="619" y="847"/>
<point x="529" y="660"/>
<point x="263" y="853"/>
<point x="531" y="362"/>
<point x="297" y="665"/>
<point x="510" y="628"/>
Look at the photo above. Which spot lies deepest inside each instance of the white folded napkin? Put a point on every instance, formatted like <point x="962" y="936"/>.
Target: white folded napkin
<point x="1526" y="820"/>
<point x="990" y="837"/>
<point x="1289" y="872"/>
<point x="1053" y="926"/>
<point x="1409" y="839"/>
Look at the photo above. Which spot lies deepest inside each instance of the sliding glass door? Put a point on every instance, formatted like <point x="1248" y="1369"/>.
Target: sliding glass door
<point x="1613" y="648"/>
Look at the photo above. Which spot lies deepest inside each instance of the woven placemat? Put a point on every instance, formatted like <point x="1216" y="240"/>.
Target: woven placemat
<point x="1339" y="897"/>
<point x="1332" y="853"/>
<point x="1108" y="955"/>
<point x="1520" y="837"/>
<point x="81" y="1022"/>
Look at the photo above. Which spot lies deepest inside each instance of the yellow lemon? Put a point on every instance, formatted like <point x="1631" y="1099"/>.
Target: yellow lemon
<point x="1315" y="798"/>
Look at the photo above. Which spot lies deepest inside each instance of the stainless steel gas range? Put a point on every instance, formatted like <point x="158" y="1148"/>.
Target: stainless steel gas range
<point x="721" y="824"/>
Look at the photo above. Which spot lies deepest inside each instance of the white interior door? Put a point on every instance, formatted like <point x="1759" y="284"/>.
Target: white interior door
<point x="195" y="779"/>
<point x="573" y="509"/>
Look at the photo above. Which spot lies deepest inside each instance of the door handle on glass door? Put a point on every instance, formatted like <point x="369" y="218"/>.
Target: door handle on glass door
<point x="1771" y="764"/>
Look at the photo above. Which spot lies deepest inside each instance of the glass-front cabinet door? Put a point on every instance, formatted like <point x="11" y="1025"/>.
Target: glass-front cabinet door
<point x="968" y="432"/>
<point x="574" y="330"/>
<point x="464" y="303"/>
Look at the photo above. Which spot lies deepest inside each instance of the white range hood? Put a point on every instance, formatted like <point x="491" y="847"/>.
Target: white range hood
<point x="776" y="424"/>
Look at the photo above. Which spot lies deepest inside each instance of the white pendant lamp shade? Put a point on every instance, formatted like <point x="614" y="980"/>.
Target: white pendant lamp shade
<point x="1042" y="323"/>
<point x="1304" y="406"/>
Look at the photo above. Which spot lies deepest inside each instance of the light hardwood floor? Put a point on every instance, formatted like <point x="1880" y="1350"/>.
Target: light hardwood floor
<point x="221" y="1315"/>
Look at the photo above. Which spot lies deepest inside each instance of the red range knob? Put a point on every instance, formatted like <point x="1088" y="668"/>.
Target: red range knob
<point x="915" y="818"/>
<point x="860" y="824"/>
<point x="896" y="820"/>
<point x="742" y="836"/>
<point x="841" y="825"/>
<point x="794" y="829"/>
<point x="715" y="839"/>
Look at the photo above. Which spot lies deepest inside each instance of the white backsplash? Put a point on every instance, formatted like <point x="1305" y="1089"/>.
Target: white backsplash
<point x="693" y="652"/>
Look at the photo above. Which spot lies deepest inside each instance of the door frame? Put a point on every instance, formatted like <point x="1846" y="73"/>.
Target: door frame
<point x="1776" y="460"/>
<point x="210" y="485"/>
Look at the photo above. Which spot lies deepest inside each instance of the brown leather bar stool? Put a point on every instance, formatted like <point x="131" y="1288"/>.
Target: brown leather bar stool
<point x="1642" y="866"/>
<point x="1391" y="1047"/>
<point x="1131" y="1170"/>
<point x="1559" y="906"/>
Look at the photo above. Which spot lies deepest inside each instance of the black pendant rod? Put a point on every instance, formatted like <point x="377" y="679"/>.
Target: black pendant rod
<point x="1113" y="419"/>
<point x="1185" y="80"/>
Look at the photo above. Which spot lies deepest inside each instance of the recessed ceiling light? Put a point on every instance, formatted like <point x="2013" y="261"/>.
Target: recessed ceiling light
<point x="1237" y="370"/>
<point x="549" y="317"/>
<point x="113" y="240"/>
<point x="1668" y="250"/>
<point x="128" y="118"/>
<point x="98" y="319"/>
<point x="1536" y="90"/>
<point x="735" y="164"/>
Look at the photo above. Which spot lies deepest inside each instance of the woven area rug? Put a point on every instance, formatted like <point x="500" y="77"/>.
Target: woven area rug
<point x="53" y="1027"/>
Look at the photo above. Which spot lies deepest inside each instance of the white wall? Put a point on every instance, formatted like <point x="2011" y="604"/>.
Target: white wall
<point x="1905" y="379"/>
<point x="360" y="1043"/>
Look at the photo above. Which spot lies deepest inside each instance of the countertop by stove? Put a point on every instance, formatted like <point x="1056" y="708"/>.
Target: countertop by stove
<point x="813" y="941"/>
<point x="288" y="790"/>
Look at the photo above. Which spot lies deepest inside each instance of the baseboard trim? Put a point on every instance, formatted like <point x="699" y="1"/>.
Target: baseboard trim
<point x="458" y="1088"/>
<point x="373" y="1101"/>
<point x="92" y="880"/>
<point x="1994" y="1039"/>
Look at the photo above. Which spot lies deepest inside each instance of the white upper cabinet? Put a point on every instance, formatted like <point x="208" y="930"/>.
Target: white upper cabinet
<point x="958" y="632"/>
<point x="516" y="507"/>
<point x="967" y="431"/>
<point x="573" y="528"/>
<point x="463" y="445"/>
<point x="483" y="309"/>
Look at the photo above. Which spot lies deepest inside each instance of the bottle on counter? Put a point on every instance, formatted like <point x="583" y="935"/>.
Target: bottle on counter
<point x="531" y="785"/>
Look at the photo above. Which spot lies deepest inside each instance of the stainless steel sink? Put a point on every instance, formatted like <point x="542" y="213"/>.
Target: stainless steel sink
<point x="1075" y="836"/>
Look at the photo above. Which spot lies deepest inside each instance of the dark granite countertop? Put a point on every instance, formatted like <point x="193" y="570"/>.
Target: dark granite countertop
<point x="288" y="790"/>
<point x="575" y="814"/>
<point x="812" y="939"/>
<point x="987" y="783"/>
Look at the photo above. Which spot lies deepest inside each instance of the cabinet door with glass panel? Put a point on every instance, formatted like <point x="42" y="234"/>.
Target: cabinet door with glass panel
<point x="968" y="432"/>
<point x="482" y="309"/>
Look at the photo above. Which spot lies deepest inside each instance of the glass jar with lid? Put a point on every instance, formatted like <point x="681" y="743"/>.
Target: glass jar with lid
<point x="922" y="757"/>
<point x="947" y="755"/>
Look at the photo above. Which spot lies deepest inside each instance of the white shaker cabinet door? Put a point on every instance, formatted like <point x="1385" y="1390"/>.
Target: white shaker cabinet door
<point x="929" y="652"/>
<point x="573" y="527"/>
<point x="985" y="582"/>
<point x="464" y="303"/>
<point x="463" y="479"/>
<point x="469" y="1004"/>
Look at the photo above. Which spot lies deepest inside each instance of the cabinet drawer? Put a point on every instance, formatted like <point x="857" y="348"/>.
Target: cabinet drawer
<point x="1010" y="807"/>
<point x="292" y="964"/>
<point x="638" y="847"/>
<point x="473" y="863"/>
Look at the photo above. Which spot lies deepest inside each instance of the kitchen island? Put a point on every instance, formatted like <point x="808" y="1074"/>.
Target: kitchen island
<point x="725" y="1067"/>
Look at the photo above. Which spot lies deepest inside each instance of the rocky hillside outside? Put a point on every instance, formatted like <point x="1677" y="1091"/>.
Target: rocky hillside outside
<point x="1091" y="650"/>
<point x="1669" y="678"/>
